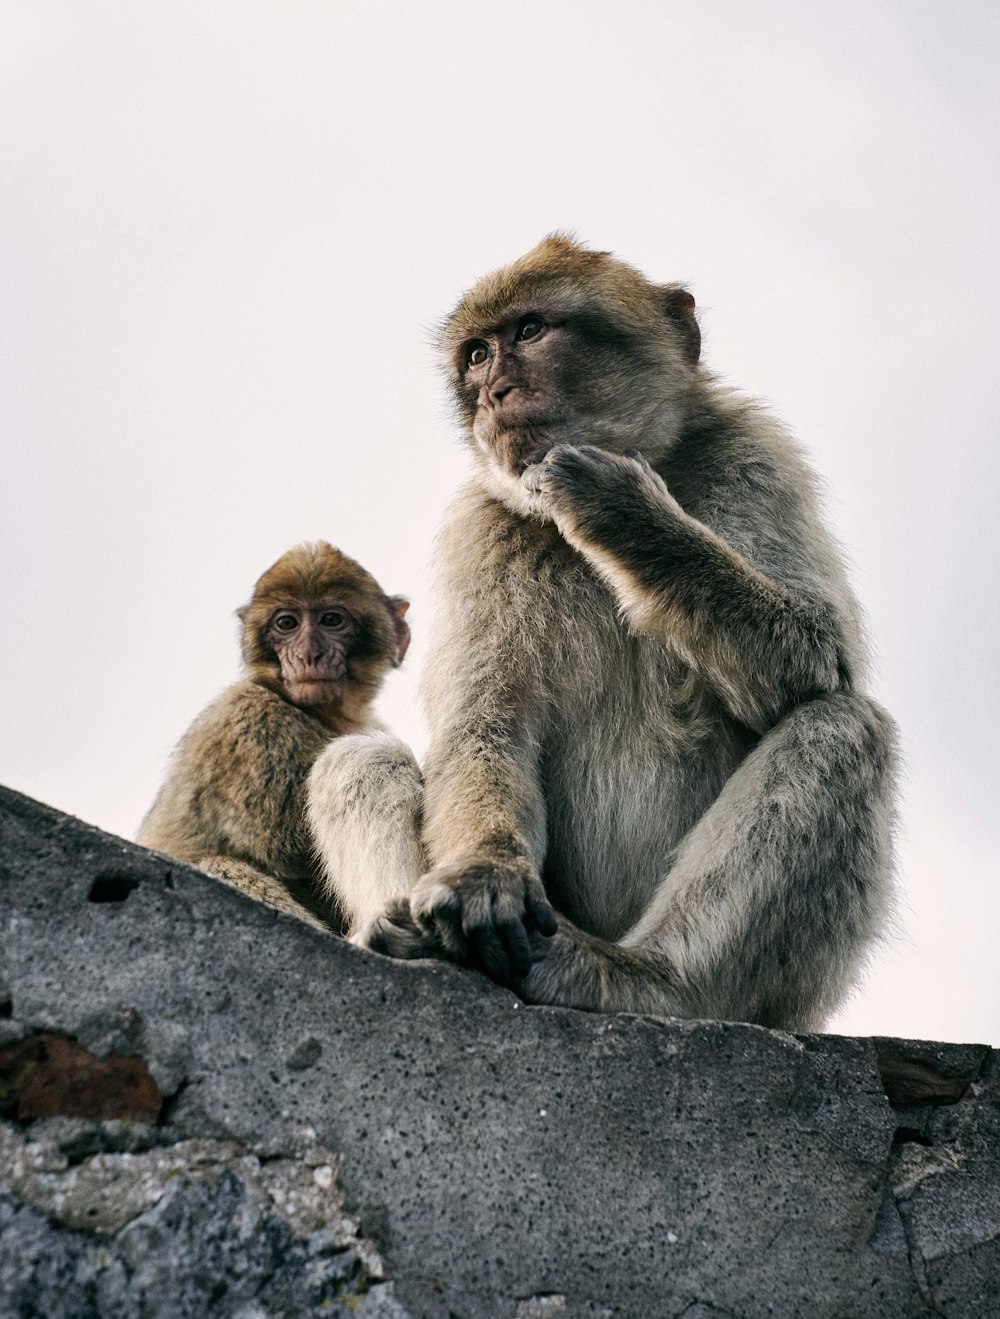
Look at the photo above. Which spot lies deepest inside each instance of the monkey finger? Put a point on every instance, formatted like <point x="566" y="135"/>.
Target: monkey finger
<point x="438" y="914"/>
<point x="447" y="932"/>
<point x="517" y="947"/>
<point x="542" y="915"/>
<point x="637" y="457"/>
<point x="487" y="951"/>
<point x="532" y="478"/>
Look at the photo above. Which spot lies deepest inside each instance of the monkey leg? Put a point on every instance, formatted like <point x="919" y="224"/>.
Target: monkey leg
<point x="774" y="897"/>
<point x="365" y="799"/>
<point x="291" y="897"/>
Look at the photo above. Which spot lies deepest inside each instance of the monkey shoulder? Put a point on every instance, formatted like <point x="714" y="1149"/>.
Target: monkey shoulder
<point x="736" y="458"/>
<point x="248" y="727"/>
<point x="739" y="470"/>
<point x="501" y="590"/>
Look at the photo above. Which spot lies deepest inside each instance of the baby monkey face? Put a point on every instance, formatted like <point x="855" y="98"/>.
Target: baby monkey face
<point x="312" y="644"/>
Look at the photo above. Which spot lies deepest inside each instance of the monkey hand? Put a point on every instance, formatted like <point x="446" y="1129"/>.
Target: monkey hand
<point x="591" y="494"/>
<point x="487" y="911"/>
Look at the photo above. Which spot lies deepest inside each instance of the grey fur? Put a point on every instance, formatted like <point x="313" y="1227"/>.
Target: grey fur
<point x="365" y="796"/>
<point x="645" y="687"/>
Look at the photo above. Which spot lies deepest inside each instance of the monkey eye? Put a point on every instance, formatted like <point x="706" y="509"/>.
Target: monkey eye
<point x="285" y="622"/>
<point x="332" y="618"/>
<point x="476" y="353"/>
<point x="530" y="327"/>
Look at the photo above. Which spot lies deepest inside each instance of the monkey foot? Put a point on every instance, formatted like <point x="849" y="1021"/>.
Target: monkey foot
<point x="395" y="934"/>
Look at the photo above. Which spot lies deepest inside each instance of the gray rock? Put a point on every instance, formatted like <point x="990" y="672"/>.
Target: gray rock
<point x="341" y="1131"/>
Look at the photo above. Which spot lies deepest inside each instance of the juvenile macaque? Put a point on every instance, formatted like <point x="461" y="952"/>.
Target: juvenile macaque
<point x="655" y="783"/>
<point x="318" y="638"/>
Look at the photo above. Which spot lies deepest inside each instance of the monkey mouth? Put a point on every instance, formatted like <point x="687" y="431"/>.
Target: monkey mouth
<point x="518" y="446"/>
<point x="314" y="691"/>
<point x="311" y="684"/>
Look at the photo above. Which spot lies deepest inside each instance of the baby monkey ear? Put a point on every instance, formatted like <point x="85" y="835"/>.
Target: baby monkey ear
<point x="679" y="306"/>
<point x="399" y="605"/>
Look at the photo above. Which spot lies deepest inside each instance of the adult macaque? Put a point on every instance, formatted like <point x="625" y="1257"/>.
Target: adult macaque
<point x="318" y="637"/>
<point x="655" y="783"/>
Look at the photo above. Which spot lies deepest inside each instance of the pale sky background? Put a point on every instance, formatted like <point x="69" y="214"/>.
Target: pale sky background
<point x="227" y="231"/>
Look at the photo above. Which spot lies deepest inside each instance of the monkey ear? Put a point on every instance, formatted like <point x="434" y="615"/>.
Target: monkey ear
<point x="400" y="605"/>
<point x="679" y="306"/>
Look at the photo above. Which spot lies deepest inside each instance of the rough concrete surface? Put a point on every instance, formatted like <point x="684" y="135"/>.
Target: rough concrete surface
<point x="210" y="1109"/>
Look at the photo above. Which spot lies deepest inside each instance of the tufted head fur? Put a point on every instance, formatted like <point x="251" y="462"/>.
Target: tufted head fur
<point x="594" y="289"/>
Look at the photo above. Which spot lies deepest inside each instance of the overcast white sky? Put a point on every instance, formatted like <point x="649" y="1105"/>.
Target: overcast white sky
<point x="228" y="230"/>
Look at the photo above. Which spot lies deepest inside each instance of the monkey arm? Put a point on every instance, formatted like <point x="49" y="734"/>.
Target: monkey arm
<point x="761" y="644"/>
<point x="484" y="815"/>
<point x="485" y="825"/>
<point x="275" y="745"/>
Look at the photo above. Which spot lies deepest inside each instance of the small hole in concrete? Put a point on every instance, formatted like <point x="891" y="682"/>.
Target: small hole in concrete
<point x="112" y="888"/>
<point x="6" y="1007"/>
<point x="910" y="1136"/>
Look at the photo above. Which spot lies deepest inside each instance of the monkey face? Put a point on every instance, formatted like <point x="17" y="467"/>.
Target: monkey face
<point x="513" y="377"/>
<point x="312" y="644"/>
<point x="568" y="346"/>
<point x="320" y="633"/>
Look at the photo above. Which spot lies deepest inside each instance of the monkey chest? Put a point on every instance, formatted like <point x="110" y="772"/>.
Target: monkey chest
<point x="629" y="762"/>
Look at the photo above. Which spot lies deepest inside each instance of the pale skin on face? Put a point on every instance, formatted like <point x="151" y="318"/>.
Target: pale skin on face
<point x="312" y="643"/>
<point x="514" y="371"/>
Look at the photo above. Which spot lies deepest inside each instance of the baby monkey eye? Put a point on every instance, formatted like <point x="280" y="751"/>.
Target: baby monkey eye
<point x="476" y="353"/>
<point x="285" y="622"/>
<point x="530" y="328"/>
<point x="332" y="618"/>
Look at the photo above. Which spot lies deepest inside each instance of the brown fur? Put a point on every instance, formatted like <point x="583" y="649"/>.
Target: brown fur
<point x="233" y="801"/>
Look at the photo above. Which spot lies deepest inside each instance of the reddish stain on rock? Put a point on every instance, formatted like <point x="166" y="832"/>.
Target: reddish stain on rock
<point x="49" y="1075"/>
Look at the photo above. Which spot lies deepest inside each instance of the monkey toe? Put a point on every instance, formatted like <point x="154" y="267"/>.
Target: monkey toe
<point x="437" y="911"/>
<point x="394" y="935"/>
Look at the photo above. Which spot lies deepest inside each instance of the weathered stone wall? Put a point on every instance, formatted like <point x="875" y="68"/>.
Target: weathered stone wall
<point x="211" y="1109"/>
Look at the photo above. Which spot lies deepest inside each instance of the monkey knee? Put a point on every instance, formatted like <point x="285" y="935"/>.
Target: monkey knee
<point x="364" y="806"/>
<point x="360" y="753"/>
<point x="364" y="769"/>
<point x="868" y="729"/>
<point x="849" y="737"/>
